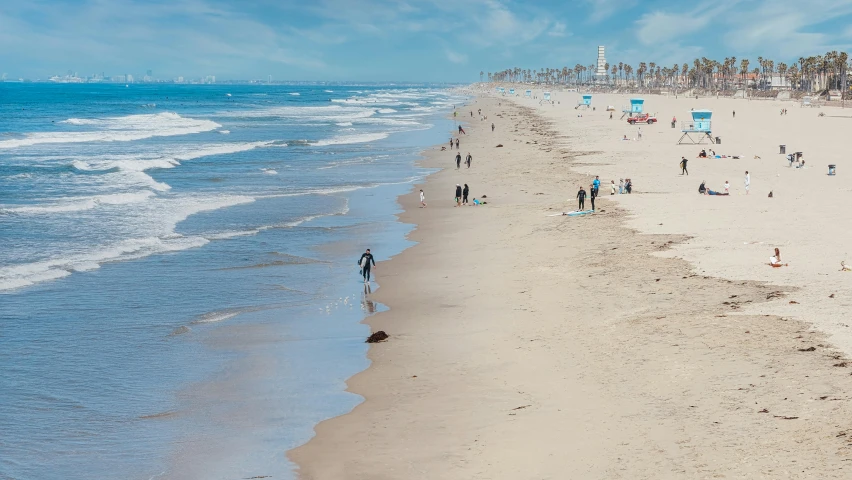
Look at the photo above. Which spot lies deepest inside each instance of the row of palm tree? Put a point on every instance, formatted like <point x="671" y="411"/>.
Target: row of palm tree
<point x="810" y="74"/>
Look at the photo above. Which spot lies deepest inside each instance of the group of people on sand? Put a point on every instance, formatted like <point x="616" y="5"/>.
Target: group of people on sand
<point x="467" y="161"/>
<point x="624" y="186"/>
<point x="704" y="190"/>
<point x="461" y="197"/>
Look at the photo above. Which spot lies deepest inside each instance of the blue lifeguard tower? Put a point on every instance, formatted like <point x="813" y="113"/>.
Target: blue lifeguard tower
<point x="546" y="98"/>
<point x="585" y="102"/>
<point x="528" y="93"/>
<point x="511" y="91"/>
<point x="500" y="90"/>
<point x="636" y="107"/>
<point x="698" y="129"/>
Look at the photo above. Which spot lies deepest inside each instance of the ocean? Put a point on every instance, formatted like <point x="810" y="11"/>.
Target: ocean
<point x="179" y="294"/>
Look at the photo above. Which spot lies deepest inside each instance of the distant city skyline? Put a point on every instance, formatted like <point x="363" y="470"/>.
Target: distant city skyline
<point x="384" y="40"/>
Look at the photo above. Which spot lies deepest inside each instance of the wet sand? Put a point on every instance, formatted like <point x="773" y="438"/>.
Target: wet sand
<point x="524" y="345"/>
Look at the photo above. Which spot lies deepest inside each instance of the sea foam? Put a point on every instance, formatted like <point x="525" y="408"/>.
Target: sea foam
<point x="116" y="129"/>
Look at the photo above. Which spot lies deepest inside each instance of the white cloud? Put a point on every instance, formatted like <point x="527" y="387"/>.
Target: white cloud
<point x="558" y="30"/>
<point x="658" y="26"/>
<point x="603" y="9"/>
<point x="455" y="57"/>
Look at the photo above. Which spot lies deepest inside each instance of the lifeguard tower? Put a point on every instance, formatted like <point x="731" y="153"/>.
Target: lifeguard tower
<point x="501" y="90"/>
<point x="546" y="98"/>
<point x="636" y="107"/>
<point x="511" y="91"/>
<point x="585" y="101"/>
<point x="528" y="93"/>
<point x="698" y="129"/>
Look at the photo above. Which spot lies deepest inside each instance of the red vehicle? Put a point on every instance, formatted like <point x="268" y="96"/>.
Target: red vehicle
<point x="641" y="118"/>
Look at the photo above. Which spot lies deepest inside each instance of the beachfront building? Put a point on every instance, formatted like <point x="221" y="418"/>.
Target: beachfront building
<point x="779" y="82"/>
<point x="600" y="71"/>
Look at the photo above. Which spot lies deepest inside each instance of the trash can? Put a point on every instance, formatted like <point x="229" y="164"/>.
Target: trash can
<point x="783" y="148"/>
<point x="832" y="169"/>
<point x="718" y="140"/>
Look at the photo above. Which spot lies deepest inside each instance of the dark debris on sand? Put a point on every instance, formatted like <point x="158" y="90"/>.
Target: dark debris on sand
<point x="377" y="337"/>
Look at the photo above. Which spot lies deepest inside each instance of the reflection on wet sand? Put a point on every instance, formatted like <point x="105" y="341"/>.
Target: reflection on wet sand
<point x="367" y="305"/>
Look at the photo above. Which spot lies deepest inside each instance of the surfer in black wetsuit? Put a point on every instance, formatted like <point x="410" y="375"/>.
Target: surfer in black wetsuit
<point x="581" y="196"/>
<point x="458" y="161"/>
<point x="458" y="195"/>
<point x="364" y="262"/>
<point x="468" y="159"/>
<point x="593" y="192"/>
<point x="465" y="192"/>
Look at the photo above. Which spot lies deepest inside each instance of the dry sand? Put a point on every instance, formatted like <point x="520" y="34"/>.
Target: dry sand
<point x="527" y="346"/>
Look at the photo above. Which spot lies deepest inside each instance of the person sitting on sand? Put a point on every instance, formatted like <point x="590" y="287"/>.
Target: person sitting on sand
<point x="844" y="267"/>
<point x="625" y="138"/>
<point x="775" y="260"/>
<point x="476" y="202"/>
<point x="703" y="154"/>
<point x="701" y="188"/>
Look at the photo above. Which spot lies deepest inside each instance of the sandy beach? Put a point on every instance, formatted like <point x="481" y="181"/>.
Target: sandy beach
<point x="648" y="340"/>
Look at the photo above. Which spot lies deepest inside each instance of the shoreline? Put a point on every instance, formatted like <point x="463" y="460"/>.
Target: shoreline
<point x="481" y="394"/>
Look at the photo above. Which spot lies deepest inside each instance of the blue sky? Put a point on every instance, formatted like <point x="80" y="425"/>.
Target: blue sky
<point x="375" y="40"/>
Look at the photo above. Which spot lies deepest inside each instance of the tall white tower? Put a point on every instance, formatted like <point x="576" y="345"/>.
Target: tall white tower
<point x="600" y="72"/>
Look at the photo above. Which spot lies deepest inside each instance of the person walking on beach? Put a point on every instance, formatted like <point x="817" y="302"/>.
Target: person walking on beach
<point x="592" y="195"/>
<point x="458" y="195"/>
<point x="620" y="186"/>
<point x="451" y="143"/>
<point x="612" y="187"/>
<point x="581" y="196"/>
<point x="747" y="181"/>
<point x="364" y="262"/>
<point x="596" y="185"/>
<point x="683" y="161"/>
<point x="461" y="130"/>
<point x="492" y="127"/>
<point x="465" y="191"/>
<point x="735" y="114"/>
<point x="458" y="161"/>
<point x="422" y="199"/>
<point x="727" y="186"/>
<point x="468" y="159"/>
<point x="457" y="144"/>
<point x="640" y="133"/>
